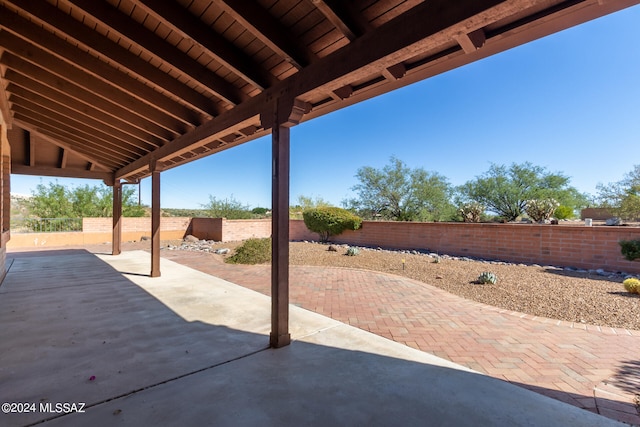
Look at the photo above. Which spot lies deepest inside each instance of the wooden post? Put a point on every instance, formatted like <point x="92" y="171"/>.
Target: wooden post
<point x="155" y="221"/>
<point x="284" y="113"/>
<point x="116" y="239"/>
<point x="280" y="237"/>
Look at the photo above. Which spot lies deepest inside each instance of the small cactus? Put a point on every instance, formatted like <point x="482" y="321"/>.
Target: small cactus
<point x="632" y="285"/>
<point x="487" y="278"/>
<point x="352" y="251"/>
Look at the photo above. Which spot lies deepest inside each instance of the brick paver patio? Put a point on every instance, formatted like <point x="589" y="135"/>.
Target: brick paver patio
<point x="594" y="368"/>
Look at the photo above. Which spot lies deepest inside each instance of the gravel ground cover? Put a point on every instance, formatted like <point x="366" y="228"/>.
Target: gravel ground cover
<point x="546" y="291"/>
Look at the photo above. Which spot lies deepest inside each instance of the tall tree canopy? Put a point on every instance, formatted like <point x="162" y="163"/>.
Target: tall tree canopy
<point x="505" y="190"/>
<point x="622" y="197"/>
<point x="397" y="192"/>
<point x="58" y="201"/>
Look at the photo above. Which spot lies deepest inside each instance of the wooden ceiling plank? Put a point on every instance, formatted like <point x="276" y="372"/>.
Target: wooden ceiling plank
<point x="71" y="89"/>
<point x="60" y="139"/>
<point x="41" y="101"/>
<point x="80" y="139"/>
<point x="87" y="78"/>
<point x="24" y="86"/>
<point x="268" y="30"/>
<point x="80" y="126"/>
<point x="98" y="73"/>
<point x="51" y="16"/>
<point x="190" y="27"/>
<point x="147" y="40"/>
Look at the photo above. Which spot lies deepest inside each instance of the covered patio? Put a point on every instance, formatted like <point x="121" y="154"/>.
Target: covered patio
<point x="120" y="91"/>
<point x="191" y="349"/>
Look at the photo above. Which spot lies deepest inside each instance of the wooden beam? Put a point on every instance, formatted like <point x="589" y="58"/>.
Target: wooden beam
<point x="5" y="108"/>
<point x="52" y="17"/>
<point x="334" y="14"/>
<point x="268" y="30"/>
<point x="64" y="154"/>
<point x="62" y="173"/>
<point x="470" y="42"/>
<point x="395" y="72"/>
<point x="116" y="240"/>
<point x="155" y="220"/>
<point x="32" y="150"/>
<point x="344" y="92"/>
<point x="86" y="97"/>
<point x="139" y="35"/>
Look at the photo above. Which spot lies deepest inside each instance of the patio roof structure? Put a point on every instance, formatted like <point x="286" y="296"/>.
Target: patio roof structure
<point x="121" y="90"/>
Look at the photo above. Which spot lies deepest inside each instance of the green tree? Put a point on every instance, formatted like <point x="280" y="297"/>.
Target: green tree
<point x="505" y="190"/>
<point x="397" y="192"/>
<point x="330" y="221"/>
<point x="58" y="201"/>
<point x="229" y="208"/>
<point x="304" y="203"/>
<point x="622" y="197"/>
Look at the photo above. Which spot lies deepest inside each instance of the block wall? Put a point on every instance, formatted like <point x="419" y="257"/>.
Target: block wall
<point x="228" y="230"/>
<point x="562" y="245"/>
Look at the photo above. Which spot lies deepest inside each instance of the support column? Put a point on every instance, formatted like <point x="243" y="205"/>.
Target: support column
<point x="285" y="112"/>
<point x="155" y="221"/>
<point x="116" y="240"/>
<point x="280" y="237"/>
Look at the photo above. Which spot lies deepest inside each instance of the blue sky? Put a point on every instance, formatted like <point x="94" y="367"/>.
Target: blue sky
<point x="569" y="102"/>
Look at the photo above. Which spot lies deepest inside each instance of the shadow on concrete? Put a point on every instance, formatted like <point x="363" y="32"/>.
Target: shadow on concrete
<point x="75" y="329"/>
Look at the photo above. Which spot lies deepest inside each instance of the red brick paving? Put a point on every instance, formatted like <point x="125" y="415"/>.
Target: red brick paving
<point x="597" y="369"/>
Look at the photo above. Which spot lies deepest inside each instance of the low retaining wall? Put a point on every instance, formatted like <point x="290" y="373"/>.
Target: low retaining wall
<point x="563" y="245"/>
<point x="99" y="230"/>
<point x="228" y="230"/>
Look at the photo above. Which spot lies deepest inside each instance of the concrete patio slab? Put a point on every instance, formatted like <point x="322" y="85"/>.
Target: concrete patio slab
<point x="190" y="349"/>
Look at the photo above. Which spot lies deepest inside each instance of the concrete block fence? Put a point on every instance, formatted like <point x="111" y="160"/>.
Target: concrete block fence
<point x="563" y="245"/>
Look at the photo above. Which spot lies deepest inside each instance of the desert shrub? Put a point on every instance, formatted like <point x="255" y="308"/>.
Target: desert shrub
<point x="563" y="212"/>
<point x="252" y="251"/>
<point x="630" y="249"/>
<point x="632" y="285"/>
<point x="487" y="277"/>
<point x="541" y="210"/>
<point x="330" y="221"/>
<point x="353" y="251"/>
<point x="471" y="212"/>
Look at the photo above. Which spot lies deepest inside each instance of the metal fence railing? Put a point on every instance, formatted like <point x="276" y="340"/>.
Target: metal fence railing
<point x="46" y="225"/>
